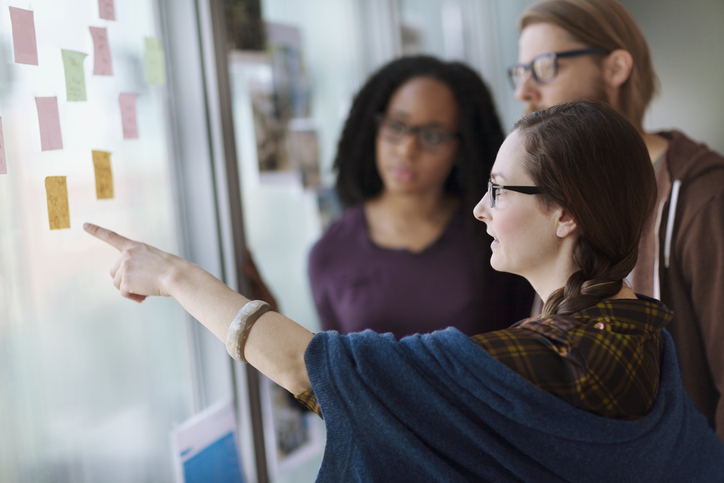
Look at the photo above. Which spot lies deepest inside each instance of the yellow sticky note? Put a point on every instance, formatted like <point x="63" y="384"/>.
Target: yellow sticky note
<point x="104" y="175"/>
<point x="56" y="190"/>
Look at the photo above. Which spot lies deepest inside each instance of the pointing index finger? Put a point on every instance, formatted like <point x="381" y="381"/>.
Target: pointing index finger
<point x="112" y="238"/>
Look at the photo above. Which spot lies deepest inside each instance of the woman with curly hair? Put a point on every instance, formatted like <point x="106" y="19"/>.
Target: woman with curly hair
<point x="411" y="164"/>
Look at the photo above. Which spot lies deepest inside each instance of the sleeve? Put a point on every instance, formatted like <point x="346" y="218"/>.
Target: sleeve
<point x="546" y="364"/>
<point x="317" y="281"/>
<point x="309" y="400"/>
<point x="702" y="255"/>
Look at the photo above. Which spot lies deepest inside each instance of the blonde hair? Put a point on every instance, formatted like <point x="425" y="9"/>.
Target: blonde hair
<point x="607" y="24"/>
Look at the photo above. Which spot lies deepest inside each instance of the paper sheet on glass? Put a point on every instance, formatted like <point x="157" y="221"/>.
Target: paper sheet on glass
<point x="74" y="75"/>
<point x="106" y="10"/>
<point x="24" y="43"/>
<point x="155" y="63"/>
<point x="101" y="52"/>
<point x="104" y="175"/>
<point x="129" y="119"/>
<point x="49" y="122"/>
<point x="205" y="447"/>
<point x="56" y="190"/>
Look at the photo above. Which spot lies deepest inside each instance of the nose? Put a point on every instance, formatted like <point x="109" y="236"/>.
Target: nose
<point x="482" y="209"/>
<point x="408" y="145"/>
<point x="527" y="90"/>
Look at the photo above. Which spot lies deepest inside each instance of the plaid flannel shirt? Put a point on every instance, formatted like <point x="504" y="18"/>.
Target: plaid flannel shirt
<point x="604" y="359"/>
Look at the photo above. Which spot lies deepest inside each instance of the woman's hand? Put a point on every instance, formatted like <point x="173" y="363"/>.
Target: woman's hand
<point x="141" y="270"/>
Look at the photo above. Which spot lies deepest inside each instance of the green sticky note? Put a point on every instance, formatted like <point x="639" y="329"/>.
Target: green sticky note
<point x="155" y="63"/>
<point x="74" y="76"/>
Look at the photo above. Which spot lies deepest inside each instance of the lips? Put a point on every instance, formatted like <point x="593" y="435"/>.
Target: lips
<point x="402" y="174"/>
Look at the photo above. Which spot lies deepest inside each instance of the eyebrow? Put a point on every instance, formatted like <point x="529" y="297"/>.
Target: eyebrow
<point x="495" y="176"/>
<point x="405" y="115"/>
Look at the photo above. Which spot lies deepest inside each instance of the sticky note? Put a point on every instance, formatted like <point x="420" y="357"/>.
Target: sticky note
<point x="106" y="9"/>
<point x="49" y="121"/>
<point x="155" y="63"/>
<point x="104" y="175"/>
<point x="3" y="164"/>
<point x="127" y="100"/>
<point x="56" y="190"/>
<point x="101" y="52"/>
<point x="74" y="75"/>
<point x="24" y="44"/>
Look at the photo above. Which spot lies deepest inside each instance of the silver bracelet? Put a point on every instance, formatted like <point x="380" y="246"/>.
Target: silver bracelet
<point x="239" y="329"/>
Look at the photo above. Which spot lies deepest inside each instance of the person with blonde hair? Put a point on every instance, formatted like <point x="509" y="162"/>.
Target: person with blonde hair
<point x="587" y="391"/>
<point x="593" y="49"/>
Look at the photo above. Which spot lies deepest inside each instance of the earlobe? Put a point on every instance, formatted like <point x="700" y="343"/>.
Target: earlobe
<point x="618" y="67"/>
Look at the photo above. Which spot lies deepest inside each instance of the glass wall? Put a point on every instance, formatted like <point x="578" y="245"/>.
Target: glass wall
<point x="91" y="383"/>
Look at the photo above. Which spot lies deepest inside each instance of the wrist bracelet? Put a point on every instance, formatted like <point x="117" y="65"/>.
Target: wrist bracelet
<point x="240" y="327"/>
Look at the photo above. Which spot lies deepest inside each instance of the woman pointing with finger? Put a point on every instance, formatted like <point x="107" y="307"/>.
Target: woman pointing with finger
<point x="587" y="391"/>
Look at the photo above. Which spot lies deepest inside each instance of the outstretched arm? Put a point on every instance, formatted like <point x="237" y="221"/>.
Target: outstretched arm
<point x="276" y="344"/>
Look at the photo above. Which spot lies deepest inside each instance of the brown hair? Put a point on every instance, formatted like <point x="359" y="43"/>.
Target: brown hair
<point x="589" y="160"/>
<point x="607" y="24"/>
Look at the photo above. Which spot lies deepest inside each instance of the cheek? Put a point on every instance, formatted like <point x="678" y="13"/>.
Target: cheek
<point x="440" y="165"/>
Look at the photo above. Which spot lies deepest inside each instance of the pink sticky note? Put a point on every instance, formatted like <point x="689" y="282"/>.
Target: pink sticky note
<point x="49" y="121"/>
<point x="3" y="165"/>
<point x="106" y="9"/>
<point x="101" y="52"/>
<point x="26" y="49"/>
<point x="127" y="100"/>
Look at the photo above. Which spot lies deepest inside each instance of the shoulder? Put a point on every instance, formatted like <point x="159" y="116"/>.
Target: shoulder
<point x="688" y="160"/>
<point x="345" y="236"/>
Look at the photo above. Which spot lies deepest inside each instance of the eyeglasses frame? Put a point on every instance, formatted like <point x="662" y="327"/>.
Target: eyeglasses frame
<point x="555" y="56"/>
<point x="526" y="190"/>
<point x="415" y="130"/>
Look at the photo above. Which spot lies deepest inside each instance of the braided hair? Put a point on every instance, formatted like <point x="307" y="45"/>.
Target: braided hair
<point x="480" y="132"/>
<point x="589" y="160"/>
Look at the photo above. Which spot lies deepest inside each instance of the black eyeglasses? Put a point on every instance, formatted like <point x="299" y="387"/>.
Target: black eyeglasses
<point x="495" y="189"/>
<point x="431" y="138"/>
<point x="544" y="68"/>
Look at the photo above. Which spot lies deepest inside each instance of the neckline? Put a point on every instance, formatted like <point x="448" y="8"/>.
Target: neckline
<point x="444" y="234"/>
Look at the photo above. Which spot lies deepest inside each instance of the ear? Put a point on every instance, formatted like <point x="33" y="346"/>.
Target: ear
<point x="617" y="68"/>
<point x="566" y="225"/>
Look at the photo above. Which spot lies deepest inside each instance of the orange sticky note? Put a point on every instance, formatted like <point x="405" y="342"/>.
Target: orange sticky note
<point x="3" y="164"/>
<point x="104" y="175"/>
<point x="101" y="52"/>
<point x="56" y="190"/>
<point x="129" y="120"/>
<point x="24" y="43"/>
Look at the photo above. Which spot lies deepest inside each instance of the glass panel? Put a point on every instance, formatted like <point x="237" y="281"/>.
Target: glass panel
<point x="290" y="98"/>
<point x="91" y="383"/>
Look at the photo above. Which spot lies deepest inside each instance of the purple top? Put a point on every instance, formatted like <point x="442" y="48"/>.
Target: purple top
<point x="358" y="285"/>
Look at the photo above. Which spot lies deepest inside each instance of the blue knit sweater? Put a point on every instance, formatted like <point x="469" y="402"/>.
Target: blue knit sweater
<point x="436" y="407"/>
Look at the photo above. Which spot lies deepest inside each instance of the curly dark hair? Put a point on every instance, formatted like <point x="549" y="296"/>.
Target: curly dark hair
<point x="480" y="131"/>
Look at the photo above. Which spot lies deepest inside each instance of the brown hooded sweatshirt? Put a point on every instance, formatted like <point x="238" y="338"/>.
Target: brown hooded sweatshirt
<point x="681" y="262"/>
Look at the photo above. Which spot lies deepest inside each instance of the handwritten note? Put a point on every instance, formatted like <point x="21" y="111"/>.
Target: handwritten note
<point x="155" y="63"/>
<point x="127" y="100"/>
<point x="101" y="52"/>
<point x="106" y="9"/>
<point x="56" y="190"/>
<point x="104" y="175"/>
<point x="3" y="164"/>
<point x="24" y="44"/>
<point x="49" y="121"/>
<point x="74" y="75"/>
